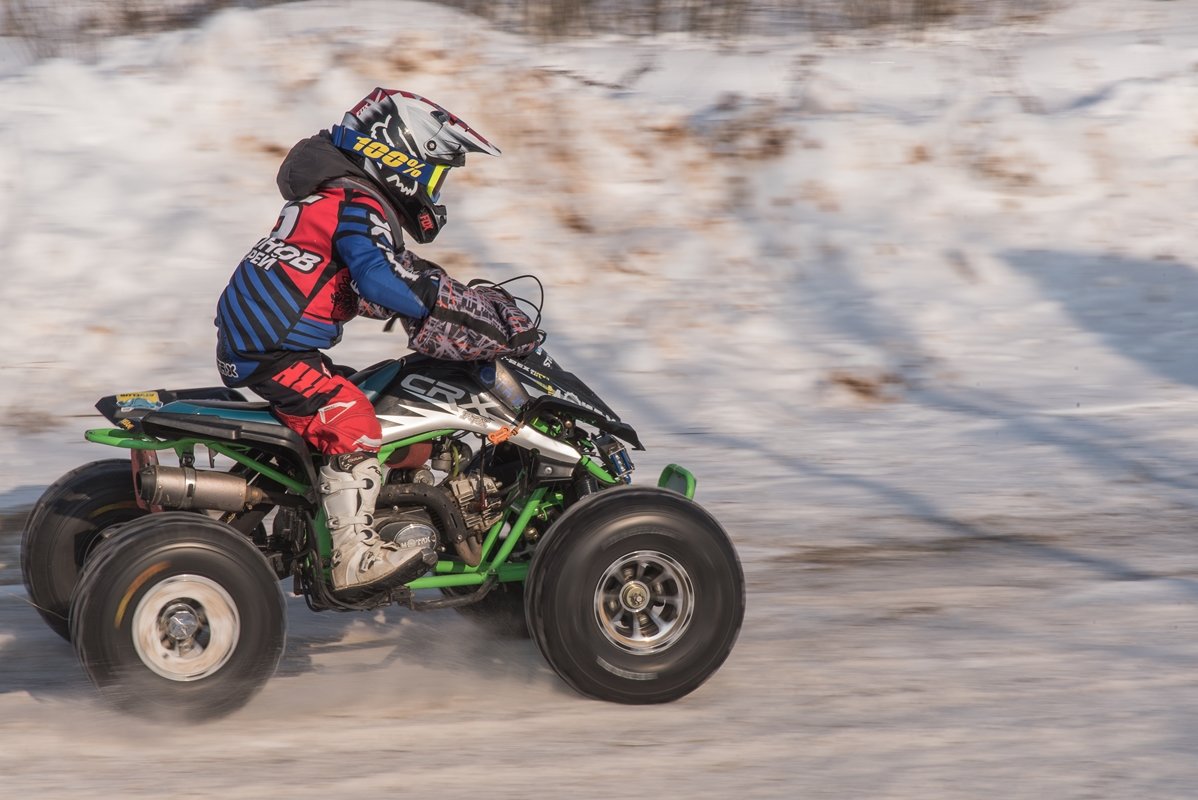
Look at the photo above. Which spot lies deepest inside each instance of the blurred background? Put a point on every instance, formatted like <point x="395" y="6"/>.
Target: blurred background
<point x="909" y="284"/>
<point x="47" y="27"/>
<point x="808" y="214"/>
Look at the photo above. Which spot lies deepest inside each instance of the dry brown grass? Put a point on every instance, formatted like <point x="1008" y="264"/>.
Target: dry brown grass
<point x="819" y="195"/>
<point x="752" y="130"/>
<point x="28" y="420"/>
<point x="721" y="18"/>
<point x="1005" y="170"/>
<point x="251" y="144"/>
<point x="868" y="386"/>
<point x="574" y="221"/>
<point x="919" y="155"/>
<point x="50" y="28"/>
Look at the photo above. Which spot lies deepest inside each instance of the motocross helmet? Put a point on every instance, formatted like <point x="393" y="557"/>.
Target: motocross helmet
<point x="407" y="145"/>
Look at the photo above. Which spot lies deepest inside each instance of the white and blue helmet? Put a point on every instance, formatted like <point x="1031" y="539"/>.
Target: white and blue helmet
<point x="407" y="144"/>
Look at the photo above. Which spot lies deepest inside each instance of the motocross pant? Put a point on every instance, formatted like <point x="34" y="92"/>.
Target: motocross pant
<point x="330" y="413"/>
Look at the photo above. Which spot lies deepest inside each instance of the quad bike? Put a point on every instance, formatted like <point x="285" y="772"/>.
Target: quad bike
<point x="166" y="578"/>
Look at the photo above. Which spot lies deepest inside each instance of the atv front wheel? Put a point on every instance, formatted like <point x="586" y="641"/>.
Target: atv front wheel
<point x="64" y="527"/>
<point x="178" y="617"/>
<point x="635" y="595"/>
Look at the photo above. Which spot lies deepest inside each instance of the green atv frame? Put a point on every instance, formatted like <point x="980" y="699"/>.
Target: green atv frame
<point x="632" y="594"/>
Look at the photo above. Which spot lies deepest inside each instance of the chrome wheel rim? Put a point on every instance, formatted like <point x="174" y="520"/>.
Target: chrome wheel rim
<point x="186" y="628"/>
<point x="644" y="602"/>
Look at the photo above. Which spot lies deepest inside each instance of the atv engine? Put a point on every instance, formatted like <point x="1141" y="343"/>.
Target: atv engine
<point x="479" y="501"/>
<point x="407" y="527"/>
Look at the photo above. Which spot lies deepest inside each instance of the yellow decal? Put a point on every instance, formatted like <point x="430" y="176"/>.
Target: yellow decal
<point x="152" y="397"/>
<point x="148" y="573"/>
<point x="392" y="158"/>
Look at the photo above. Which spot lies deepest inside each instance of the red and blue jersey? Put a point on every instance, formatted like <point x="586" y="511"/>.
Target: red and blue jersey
<point x="296" y="288"/>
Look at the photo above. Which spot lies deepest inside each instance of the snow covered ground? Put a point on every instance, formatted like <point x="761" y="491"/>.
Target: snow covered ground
<point x="916" y="309"/>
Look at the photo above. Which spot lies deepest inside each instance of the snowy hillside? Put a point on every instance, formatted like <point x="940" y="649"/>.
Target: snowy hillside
<point x="917" y="308"/>
<point x="863" y="265"/>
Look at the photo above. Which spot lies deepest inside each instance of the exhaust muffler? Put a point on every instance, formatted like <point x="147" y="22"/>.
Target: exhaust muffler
<point x="186" y="488"/>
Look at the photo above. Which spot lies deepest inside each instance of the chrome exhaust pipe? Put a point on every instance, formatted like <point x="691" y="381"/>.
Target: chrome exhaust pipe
<point x="187" y="488"/>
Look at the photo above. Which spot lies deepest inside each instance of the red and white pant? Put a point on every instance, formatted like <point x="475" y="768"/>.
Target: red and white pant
<point x="329" y="412"/>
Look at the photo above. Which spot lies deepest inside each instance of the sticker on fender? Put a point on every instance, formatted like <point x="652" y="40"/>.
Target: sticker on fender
<point x="132" y="400"/>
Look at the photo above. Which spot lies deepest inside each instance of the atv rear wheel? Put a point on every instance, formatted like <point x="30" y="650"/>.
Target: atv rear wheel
<point x="178" y="617"/>
<point x="65" y="526"/>
<point x="635" y="595"/>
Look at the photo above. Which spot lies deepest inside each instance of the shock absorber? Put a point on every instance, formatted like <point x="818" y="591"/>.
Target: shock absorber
<point x="584" y="484"/>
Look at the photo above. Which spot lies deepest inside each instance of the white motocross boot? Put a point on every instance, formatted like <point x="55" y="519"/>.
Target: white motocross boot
<point x="349" y="488"/>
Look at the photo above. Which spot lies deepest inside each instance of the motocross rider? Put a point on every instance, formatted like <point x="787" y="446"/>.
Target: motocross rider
<point x="337" y="251"/>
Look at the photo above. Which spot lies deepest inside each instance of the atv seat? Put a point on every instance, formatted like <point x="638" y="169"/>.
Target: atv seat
<point x="233" y="411"/>
<point x="233" y="405"/>
<point x="239" y="422"/>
